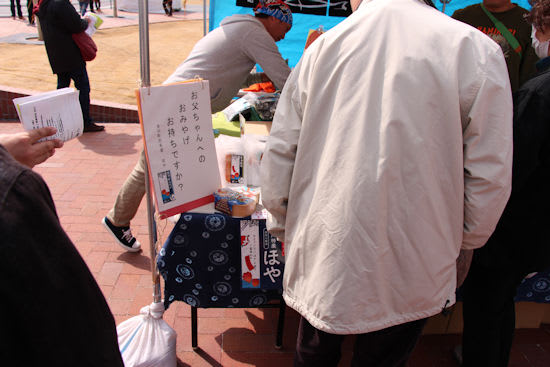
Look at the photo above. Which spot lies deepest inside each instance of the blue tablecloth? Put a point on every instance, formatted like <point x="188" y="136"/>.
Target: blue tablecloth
<point x="535" y="289"/>
<point x="201" y="263"/>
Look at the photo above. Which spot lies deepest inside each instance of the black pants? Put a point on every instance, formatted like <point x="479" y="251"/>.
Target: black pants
<point x="167" y="5"/>
<point x="12" y="8"/>
<point x="489" y="314"/>
<point x="30" y="6"/>
<point x="97" y="5"/>
<point x="390" y="347"/>
<point x="82" y="83"/>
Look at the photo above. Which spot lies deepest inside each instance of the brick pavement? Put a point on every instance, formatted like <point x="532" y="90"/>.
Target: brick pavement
<point x="84" y="178"/>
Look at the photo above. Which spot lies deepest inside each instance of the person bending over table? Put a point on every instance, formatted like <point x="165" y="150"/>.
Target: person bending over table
<point x="56" y="314"/>
<point x="225" y="58"/>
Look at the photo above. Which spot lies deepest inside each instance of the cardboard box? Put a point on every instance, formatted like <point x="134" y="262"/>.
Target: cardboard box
<point x="254" y="127"/>
<point x="257" y="127"/>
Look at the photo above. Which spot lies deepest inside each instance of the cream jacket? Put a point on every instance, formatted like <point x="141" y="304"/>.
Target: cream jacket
<point x="390" y="150"/>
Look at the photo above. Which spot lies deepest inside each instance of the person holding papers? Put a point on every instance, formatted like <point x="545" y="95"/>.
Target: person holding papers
<point x="225" y="58"/>
<point x="55" y="313"/>
<point x="26" y="148"/>
<point x="58" y="21"/>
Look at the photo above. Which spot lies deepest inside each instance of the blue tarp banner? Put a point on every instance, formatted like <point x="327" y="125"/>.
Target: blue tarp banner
<point x="292" y="46"/>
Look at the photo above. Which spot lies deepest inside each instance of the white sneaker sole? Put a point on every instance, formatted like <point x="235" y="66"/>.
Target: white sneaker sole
<point x="129" y="249"/>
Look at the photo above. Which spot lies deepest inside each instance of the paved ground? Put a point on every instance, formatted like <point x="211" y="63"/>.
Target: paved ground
<point x="115" y="72"/>
<point x="84" y="178"/>
<point x="13" y="32"/>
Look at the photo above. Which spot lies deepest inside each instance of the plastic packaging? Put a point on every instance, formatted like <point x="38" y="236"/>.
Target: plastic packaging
<point x="230" y="154"/>
<point x="266" y="104"/>
<point x="147" y="340"/>
<point x="254" y="146"/>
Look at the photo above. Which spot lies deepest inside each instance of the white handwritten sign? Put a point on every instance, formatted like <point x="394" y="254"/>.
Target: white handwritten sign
<point x="176" y="123"/>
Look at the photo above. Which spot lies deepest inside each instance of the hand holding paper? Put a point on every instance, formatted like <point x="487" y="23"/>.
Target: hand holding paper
<point x="26" y="148"/>
<point x="59" y="108"/>
<point x="94" y="22"/>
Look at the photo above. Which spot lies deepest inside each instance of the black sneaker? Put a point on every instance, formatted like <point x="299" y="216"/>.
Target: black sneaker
<point x="91" y="127"/>
<point x="123" y="235"/>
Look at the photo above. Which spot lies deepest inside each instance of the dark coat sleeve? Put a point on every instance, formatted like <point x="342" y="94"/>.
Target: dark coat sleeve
<point x="53" y="311"/>
<point x="520" y="238"/>
<point x="68" y="19"/>
<point x="531" y="134"/>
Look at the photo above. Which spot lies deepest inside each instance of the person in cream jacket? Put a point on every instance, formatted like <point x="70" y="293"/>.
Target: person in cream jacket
<point x="390" y="151"/>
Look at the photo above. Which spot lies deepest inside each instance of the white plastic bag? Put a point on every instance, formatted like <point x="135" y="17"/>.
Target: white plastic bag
<point x="147" y="340"/>
<point x="254" y="146"/>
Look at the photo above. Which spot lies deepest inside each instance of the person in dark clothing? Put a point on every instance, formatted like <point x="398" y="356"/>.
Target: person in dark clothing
<point x="519" y="244"/>
<point x="520" y="62"/>
<point x="83" y="6"/>
<point x="58" y="21"/>
<point x="12" y="8"/>
<point x="97" y="5"/>
<point x="55" y="313"/>
<point x="167" y="5"/>
<point x="30" y="7"/>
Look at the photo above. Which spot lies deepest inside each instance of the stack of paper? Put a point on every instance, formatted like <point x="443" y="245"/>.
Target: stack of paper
<point x="59" y="108"/>
<point x="95" y="23"/>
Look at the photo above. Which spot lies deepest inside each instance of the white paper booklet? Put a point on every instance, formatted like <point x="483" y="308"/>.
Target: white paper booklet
<point x="94" y="24"/>
<point x="176" y="120"/>
<point x="59" y="108"/>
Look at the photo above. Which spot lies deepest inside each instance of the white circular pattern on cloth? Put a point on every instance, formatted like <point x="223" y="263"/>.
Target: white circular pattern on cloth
<point x="214" y="222"/>
<point x="218" y="257"/>
<point x="185" y="271"/>
<point x="222" y="288"/>
<point x="542" y="285"/>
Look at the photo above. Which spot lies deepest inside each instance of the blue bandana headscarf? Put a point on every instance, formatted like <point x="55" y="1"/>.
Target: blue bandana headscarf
<point x="275" y="8"/>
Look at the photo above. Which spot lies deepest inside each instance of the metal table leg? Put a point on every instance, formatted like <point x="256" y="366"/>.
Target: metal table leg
<point x="194" y="321"/>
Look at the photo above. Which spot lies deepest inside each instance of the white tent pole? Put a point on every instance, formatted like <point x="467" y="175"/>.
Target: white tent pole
<point x="146" y="82"/>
